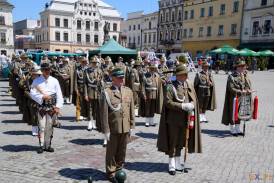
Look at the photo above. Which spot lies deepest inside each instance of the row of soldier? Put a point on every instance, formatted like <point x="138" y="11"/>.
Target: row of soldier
<point x="99" y="85"/>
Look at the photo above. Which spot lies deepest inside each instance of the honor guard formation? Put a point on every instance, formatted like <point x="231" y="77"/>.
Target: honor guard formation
<point x="108" y="93"/>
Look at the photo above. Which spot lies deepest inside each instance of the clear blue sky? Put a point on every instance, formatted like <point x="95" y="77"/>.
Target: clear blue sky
<point x="30" y="8"/>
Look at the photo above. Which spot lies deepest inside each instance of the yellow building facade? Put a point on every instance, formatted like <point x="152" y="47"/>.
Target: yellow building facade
<point x="209" y="24"/>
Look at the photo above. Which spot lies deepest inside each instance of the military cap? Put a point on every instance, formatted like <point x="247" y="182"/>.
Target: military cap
<point x="239" y="63"/>
<point x="95" y="60"/>
<point x="108" y="59"/>
<point x="120" y="59"/>
<point x="181" y="69"/>
<point x="45" y="66"/>
<point x="24" y="55"/>
<point x="205" y="64"/>
<point x="117" y="72"/>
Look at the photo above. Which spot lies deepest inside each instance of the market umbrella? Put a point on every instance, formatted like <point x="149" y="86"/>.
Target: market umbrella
<point x="226" y="49"/>
<point x="266" y="53"/>
<point x="247" y="52"/>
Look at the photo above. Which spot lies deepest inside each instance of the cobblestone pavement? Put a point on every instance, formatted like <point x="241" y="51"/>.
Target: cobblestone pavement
<point x="79" y="153"/>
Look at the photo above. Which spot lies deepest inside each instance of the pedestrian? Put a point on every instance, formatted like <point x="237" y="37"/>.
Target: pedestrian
<point x="46" y="91"/>
<point x="238" y="83"/>
<point x="205" y="89"/>
<point x="180" y="101"/>
<point x="118" y="121"/>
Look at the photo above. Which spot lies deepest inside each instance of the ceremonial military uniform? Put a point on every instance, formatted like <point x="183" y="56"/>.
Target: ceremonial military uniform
<point x="82" y="106"/>
<point x="180" y="101"/>
<point x="151" y="96"/>
<point x="238" y="83"/>
<point x="93" y="76"/>
<point x="205" y="89"/>
<point x="65" y="79"/>
<point x="134" y="83"/>
<point x="117" y="105"/>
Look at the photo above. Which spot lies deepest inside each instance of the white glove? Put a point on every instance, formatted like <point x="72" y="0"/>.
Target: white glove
<point x="188" y="107"/>
<point x="107" y="136"/>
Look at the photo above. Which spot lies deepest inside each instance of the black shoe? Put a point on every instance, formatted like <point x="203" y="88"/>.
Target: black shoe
<point x="172" y="172"/>
<point x="112" y="179"/>
<point x="147" y="125"/>
<point x="104" y="145"/>
<point x="154" y="125"/>
<point x="241" y="134"/>
<point x="89" y="129"/>
<point x="50" y="149"/>
<point x="40" y="150"/>
<point x="234" y="134"/>
<point x="179" y="170"/>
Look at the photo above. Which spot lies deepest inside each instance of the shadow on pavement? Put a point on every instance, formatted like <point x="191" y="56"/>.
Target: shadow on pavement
<point x="7" y="105"/>
<point x="76" y="127"/>
<point x="10" y="112"/>
<point x="8" y="100"/>
<point x="217" y="133"/>
<point x="82" y="174"/>
<point x="12" y="121"/>
<point x="270" y="126"/>
<point x="19" y="148"/>
<point x="147" y="135"/>
<point x="147" y="167"/>
<point x="18" y="133"/>
<point x="85" y="142"/>
<point x="67" y="118"/>
<point x="140" y="124"/>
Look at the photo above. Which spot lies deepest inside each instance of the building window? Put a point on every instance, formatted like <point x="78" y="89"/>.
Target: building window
<point x="57" y="36"/>
<point x="154" y="37"/>
<point x="66" y="37"/>
<point x="78" y="24"/>
<point x="173" y="16"/>
<point x="210" y="11"/>
<point x="79" y="38"/>
<point x="85" y="13"/>
<point x="57" y="22"/>
<point x="200" y="31"/>
<point x="150" y="25"/>
<point x="88" y="25"/>
<point x="220" y="33"/>
<point x="88" y="38"/>
<point x="202" y="12"/>
<point x="149" y="38"/>
<point x="94" y="14"/>
<point x="185" y="15"/>
<point x="129" y="27"/>
<point x="256" y="28"/>
<point x="167" y="17"/>
<point x="191" y="32"/>
<point x="191" y="14"/>
<point x="263" y="2"/>
<point x="134" y="27"/>
<point x="233" y="29"/>
<point x="185" y="33"/>
<point x="145" y="38"/>
<point x="66" y="23"/>
<point x="115" y="38"/>
<point x="267" y="27"/>
<point x="236" y="7"/>
<point x="180" y="15"/>
<point x="222" y="9"/>
<point x="114" y="27"/>
<point x="81" y="12"/>
<point x="209" y="31"/>
<point x="138" y="26"/>
<point x="96" y="39"/>
<point x="3" y="37"/>
<point x="2" y="20"/>
<point x="96" y="26"/>
<point x="138" y="40"/>
<point x="65" y="51"/>
<point x="134" y="40"/>
<point x="90" y="14"/>
<point x="129" y="39"/>
<point x="160" y="36"/>
<point x="178" y="34"/>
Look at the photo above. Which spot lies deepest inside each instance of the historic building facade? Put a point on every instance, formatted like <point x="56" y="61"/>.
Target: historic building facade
<point x="140" y="31"/>
<point x="6" y="28"/>
<point x="76" y="25"/>
<point x="210" y="24"/>
<point x="170" y="26"/>
<point x="258" y="25"/>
